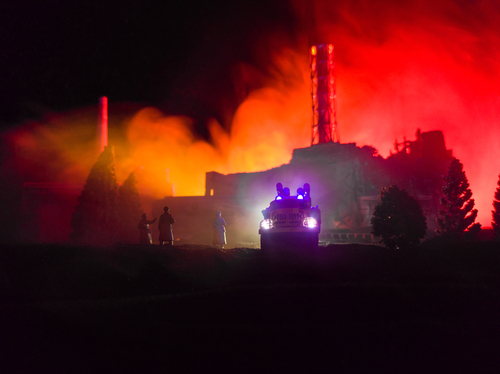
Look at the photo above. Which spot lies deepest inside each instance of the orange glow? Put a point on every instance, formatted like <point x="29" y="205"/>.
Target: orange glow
<point x="61" y="149"/>
<point x="313" y="50"/>
<point x="102" y="130"/>
<point x="157" y="143"/>
<point x="266" y="128"/>
<point x="397" y="69"/>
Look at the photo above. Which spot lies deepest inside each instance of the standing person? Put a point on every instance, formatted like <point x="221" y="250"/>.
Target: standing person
<point x="165" y="227"/>
<point x="219" y="226"/>
<point x="145" y="233"/>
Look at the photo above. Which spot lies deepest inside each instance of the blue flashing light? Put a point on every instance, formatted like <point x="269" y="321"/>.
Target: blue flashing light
<point x="300" y="197"/>
<point x="278" y="197"/>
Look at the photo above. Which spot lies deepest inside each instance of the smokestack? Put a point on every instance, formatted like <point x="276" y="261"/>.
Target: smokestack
<point x="323" y="94"/>
<point x="102" y="124"/>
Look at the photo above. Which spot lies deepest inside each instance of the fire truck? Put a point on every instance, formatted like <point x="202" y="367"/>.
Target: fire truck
<point x="290" y="222"/>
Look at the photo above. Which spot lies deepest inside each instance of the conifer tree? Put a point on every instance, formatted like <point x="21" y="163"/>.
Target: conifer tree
<point x="94" y="218"/>
<point x="457" y="214"/>
<point x="495" y="223"/>
<point x="398" y="219"/>
<point x="129" y="210"/>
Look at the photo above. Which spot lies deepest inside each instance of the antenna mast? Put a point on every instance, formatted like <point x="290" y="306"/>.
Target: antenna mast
<point x="323" y="94"/>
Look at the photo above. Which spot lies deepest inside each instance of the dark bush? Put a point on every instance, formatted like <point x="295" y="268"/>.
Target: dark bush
<point x="398" y="219"/>
<point x="495" y="223"/>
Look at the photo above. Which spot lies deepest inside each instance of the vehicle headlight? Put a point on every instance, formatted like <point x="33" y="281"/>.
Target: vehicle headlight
<point x="266" y="224"/>
<point x="310" y="222"/>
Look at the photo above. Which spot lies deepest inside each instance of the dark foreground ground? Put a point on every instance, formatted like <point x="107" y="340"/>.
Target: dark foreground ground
<point x="345" y="308"/>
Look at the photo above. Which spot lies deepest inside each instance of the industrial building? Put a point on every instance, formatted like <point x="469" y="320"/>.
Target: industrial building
<point x="345" y="179"/>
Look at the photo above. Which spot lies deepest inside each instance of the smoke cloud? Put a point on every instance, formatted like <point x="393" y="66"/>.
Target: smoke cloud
<point x="400" y="66"/>
<point x="420" y="64"/>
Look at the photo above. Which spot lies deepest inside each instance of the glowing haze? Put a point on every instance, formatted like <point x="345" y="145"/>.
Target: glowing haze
<point x="432" y="65"/>
<point x="399" y="67"/>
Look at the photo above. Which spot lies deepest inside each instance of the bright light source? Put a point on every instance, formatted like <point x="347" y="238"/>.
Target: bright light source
<point x="278" y="197"/>
<point x="310" y="222"/>
<point x="266" y="224"/>
<point x="313" y="50"/>
<point x="300" y="197"/>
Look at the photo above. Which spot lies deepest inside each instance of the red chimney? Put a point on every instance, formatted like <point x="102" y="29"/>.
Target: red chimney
<point x="102" y="124"/>
<point x="323" y="93"/>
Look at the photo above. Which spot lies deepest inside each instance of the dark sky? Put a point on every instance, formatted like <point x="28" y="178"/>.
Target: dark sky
<point x="399" y="66"/>
<point x="57" y="56"/>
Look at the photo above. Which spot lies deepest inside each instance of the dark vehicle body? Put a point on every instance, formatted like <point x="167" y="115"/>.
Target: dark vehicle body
<point x="290" y="222"/>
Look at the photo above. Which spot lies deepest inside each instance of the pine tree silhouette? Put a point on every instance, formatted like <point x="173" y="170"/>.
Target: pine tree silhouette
<point x="495" y="223"/>
<point x="457" y="214"/>
<point x="129" y="210"/>
<point x="398" y="219"/>
<point x="94" y="218"/>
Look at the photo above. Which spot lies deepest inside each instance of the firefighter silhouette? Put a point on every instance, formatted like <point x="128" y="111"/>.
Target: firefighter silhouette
<point x="219" y="226"/>
<point x="145" y="233"/>
<point x="165" y="227"/>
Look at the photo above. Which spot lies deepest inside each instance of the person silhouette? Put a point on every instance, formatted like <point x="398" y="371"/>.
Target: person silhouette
<point x="165" y="227"/>
<point x="145" y="233"/>
<point x="219" y="226"/>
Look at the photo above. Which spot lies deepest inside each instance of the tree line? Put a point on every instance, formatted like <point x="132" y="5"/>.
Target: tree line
<point x="106" y="213"/>
<point x="399" y="220"/>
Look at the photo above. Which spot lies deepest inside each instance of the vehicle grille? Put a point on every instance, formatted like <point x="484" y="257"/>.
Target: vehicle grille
<point x="288" y="219"/>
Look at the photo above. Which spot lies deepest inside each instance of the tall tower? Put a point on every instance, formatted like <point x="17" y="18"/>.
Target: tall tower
<point x="323" y="94"/>
<point x="102" y="124"/>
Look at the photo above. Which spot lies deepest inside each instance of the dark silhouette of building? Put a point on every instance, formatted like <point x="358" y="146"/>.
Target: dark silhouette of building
<point x="345" y="181"/>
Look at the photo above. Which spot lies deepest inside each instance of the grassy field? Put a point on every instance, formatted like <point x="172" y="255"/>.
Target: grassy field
<point x="344" y="308"/>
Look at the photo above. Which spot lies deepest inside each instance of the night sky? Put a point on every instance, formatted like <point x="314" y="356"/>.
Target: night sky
<point x="230" y="81"/>
<point x="58" y="56"/>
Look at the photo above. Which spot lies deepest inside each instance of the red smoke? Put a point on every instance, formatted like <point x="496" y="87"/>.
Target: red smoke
<point x="418" y="64"/>
<point x="400" y="66"/>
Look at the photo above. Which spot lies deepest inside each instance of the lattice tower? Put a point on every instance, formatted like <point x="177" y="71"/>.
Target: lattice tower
<point x="323" y="94"/>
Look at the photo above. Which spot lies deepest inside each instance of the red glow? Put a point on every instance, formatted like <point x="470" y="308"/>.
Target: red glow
<point x="401" y="66"/>
<point x="419" y="64"/>
<point x="102" y="126"/>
